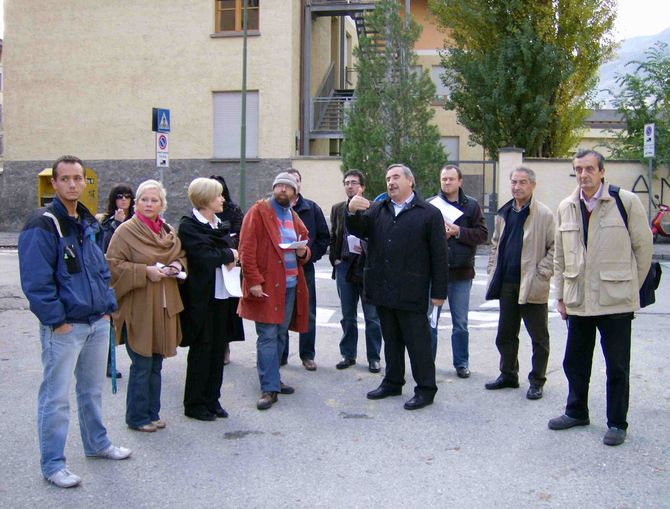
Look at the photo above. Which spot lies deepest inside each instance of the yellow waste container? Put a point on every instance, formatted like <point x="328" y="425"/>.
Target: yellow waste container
<point x="45" y="191"/>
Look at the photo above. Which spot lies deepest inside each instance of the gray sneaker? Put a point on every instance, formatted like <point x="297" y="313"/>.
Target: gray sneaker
<point x="113" y="453"/>
<point x="614" y="436"/>
<point x="64" y="478"/>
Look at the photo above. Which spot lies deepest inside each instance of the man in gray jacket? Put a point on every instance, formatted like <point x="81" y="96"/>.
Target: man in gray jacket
<point x="520" y="267"/>
<point x="603" y="253"/>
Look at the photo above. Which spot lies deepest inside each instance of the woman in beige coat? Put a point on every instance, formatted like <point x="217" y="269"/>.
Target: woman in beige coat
<point x="145" y="258"/>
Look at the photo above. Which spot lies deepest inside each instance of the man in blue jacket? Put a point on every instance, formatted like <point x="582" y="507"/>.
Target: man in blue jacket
<point x="65" y="278"/>
<point x="319" y="238"/>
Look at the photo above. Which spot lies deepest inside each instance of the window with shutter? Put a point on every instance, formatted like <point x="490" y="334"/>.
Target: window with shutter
<point x="227" y="122"/>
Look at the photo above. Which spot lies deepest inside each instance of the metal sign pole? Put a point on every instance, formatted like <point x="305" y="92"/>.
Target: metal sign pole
<point x="651" y="187"/>
<point x="243" y="123"/>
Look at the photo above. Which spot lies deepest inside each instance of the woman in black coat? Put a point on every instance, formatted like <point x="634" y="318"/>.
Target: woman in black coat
<point x="207" y="321"/>
<point x="231" y="218"/>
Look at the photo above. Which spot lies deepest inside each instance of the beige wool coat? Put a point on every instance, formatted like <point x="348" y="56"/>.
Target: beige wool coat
<point x="149" y="311"/>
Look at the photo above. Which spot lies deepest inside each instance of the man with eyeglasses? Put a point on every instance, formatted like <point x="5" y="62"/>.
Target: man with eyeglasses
<point x="345" y="263"/>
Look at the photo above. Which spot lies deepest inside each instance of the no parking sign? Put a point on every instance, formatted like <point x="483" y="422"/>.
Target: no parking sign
<point x="162" y="150"/>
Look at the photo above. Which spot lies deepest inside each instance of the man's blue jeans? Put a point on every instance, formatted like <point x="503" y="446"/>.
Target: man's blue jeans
<point x="81" y="351"/>
<point x="272" y="338"/>
<point x="458" y="296"/>
<point x="143" y="400"/>
<point x="349" y="294"/>
<point x="307" y="339"/>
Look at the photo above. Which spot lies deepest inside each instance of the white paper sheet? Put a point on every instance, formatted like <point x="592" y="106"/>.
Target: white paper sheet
<point x="449" y="212"/>
<point x="433" y="317"/>
<point x="354" y="244"/>
<point x="294" y="245"/>
<point x="231" y="280"/>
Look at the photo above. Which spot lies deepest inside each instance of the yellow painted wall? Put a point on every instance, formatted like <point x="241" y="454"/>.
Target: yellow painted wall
<point x="431" y="36"/>
<point x="84" y="75"/>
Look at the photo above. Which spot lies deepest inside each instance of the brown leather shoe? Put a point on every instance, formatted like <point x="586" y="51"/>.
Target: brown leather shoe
<point x="267" y="400"/>
<point x="309" y="364"/>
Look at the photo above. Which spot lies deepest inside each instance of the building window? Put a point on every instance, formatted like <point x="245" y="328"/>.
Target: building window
<point x="227" y="122"/>
<point x="442" y="91"/>
<point x="228" y="15"/>
<point x="450" y="144"/>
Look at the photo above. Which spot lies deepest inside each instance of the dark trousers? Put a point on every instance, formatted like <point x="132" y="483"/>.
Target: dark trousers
<point x="615" y="341"/>
<point x="535" y="318"/>
<point x="407" y="329"/>
<point x="307" y="339"/>
<point x="204" y="368"/>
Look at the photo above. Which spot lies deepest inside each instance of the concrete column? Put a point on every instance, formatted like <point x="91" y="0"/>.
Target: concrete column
<point x="509" y="158"/>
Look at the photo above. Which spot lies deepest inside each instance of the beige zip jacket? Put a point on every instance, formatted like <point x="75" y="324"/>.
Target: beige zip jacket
<point x="537" y="252"/>
<point x="605" y="278"/>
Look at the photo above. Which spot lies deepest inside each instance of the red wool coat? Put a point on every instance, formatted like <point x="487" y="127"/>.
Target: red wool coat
<point x="262" y="263"/>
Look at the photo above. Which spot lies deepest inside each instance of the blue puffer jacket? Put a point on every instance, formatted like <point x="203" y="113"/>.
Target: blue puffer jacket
<point x="65" y="278"/>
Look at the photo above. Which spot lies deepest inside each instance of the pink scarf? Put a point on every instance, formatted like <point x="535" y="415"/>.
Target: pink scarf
<point x="154" y="226"/>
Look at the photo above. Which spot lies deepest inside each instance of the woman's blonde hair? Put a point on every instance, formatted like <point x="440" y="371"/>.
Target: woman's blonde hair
<point x="152" y="184"/>
<point x="203" y="191"/>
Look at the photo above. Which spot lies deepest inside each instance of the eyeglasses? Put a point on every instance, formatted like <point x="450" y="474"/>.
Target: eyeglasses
<point x="351" y="183"/>
<point x="121" y="196"/>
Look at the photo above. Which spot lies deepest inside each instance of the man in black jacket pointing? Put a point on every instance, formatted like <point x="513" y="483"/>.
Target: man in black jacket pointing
<point x="405" y="270"/>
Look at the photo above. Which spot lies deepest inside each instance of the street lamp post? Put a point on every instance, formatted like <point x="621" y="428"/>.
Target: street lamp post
<point x="243" y="123"/>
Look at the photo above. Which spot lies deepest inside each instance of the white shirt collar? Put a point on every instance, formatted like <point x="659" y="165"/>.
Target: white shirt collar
<point x="203" y="219"/>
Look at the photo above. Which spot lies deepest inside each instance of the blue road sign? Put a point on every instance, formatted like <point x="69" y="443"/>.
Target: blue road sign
<point x="160" y="120"/>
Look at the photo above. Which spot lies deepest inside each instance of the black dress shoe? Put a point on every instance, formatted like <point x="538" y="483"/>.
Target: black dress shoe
<point x="374" y="367"/>
<point x="418" y="401"/>
<point x="462" y="372"/>
<point x="200" y="414"/>
<point x="502" y="383"/>
<point x="345" y="363"/>
<point x="219" y="412"/>
<point x="382" y="392"/>
<point x="534" y="392"/>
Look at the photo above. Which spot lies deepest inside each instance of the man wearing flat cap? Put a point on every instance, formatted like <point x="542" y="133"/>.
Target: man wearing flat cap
<point x="274" y="291"/>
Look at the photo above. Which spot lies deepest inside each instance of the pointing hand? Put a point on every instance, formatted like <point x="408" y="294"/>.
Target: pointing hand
<point x="358" y="202"/>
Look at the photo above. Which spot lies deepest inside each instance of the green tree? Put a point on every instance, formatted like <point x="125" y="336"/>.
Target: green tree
<point x="644" y="98"/>
<point x="522" y="73"/>
<point x="389" y="121"/>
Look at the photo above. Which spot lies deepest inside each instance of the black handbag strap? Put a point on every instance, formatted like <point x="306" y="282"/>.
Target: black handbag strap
<point x="614" y="193"/>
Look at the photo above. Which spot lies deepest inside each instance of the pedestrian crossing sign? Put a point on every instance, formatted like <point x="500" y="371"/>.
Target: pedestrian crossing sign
<point x="160" y="120"/>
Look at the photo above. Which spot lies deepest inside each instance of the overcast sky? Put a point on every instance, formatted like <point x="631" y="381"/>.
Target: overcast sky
<point x="636" y="17"/>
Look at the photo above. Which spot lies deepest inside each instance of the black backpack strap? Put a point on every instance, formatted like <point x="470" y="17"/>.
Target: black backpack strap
<point x="614" y="193"/>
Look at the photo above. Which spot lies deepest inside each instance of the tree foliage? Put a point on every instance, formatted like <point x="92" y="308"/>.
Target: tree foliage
<point x="521" y="73"/>
<point x="644" y="98"/>
<point x="389" y="121"/>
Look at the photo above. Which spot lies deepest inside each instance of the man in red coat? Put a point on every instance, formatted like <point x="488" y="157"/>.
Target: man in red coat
<point x="274" y="291"/>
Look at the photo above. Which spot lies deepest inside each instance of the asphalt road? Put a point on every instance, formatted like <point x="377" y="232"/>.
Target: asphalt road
<point x="328" y="446"/>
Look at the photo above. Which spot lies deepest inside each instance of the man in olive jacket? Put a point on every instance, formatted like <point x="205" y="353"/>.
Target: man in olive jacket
<point x="601" y="263"/>
<point x="405" y="271"/>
